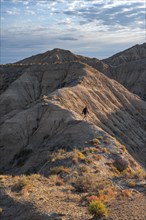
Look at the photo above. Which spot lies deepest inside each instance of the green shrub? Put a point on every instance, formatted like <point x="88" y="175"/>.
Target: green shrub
<point x="97" y="208"/>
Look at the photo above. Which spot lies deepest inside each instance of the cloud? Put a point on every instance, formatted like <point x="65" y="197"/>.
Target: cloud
<point x="66" y="21"/>
<point x="13" y="11"/>
<point x="30" y="12"/>
<point x="68" y="38"/>
<point x="92" y="28"/>
<point x="115" y="14"/>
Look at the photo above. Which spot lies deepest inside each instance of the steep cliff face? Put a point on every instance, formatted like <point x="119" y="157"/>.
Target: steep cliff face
<point x="129" y="69"/>
<point x="41" y="109"/>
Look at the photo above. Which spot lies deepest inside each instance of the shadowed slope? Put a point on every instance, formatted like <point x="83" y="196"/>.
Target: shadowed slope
<point x="134" y="53"/>
<point x="129" y="69"/>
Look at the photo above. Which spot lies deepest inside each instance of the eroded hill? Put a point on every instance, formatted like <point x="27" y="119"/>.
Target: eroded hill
<point x="53" y="162"/>
<point x="129" y="69"/>
<point x="42" y="108"/>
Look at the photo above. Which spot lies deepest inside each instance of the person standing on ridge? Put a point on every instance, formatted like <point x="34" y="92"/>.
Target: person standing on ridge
<point x="85" y="112"/>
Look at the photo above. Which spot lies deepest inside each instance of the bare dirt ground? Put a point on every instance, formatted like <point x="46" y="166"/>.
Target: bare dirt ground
<point x="42" y="200"/>
<point x="130" y="209"/>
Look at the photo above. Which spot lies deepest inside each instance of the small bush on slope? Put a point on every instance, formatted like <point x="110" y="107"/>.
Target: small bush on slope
<point x="98" y="209"/>
<point x="86" y="183"/>
<point x="58" y="170"/>
<point x="120" y="164"/>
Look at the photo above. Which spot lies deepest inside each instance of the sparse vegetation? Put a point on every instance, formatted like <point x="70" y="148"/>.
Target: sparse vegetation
<point x="126" y="193"/>
<point x="92" y="198"/>
<point x="115" y="170"/>
<point x="132" y="184"/>
<point x="100" y="137"/>
<point x="97" y="157"/>
<point x="35" y="176"/>
<point x="106" y="141"/>
<point x="1" y="210"/>
<point x="86" y="183"/>
<point x="121" y="164"/>
<point x="23" y="182"/>
<point x="58" y="155"/>
<point x="83" y="168"/>
<point x="107" y="194"/>
<point x="91" y="149"/>
<point x="123" y="148"/>
<point x="58" y="170"/>
<point x="42" y="100"/>
<point x="78" y="156"/>
<point x="3" y="177"/>
<point x="135" y="174"/>
<point x="88" y="160"/>
<point x="94" y="142"/>
<point x="97" y="208"/>
<point x="127" y="173"/>
<point x="81" y="156"/>
<point x="104" y="183"/>
<point x="139" y="174"/>
<point x="59" y="181"/>
<point x="104" y="150"/>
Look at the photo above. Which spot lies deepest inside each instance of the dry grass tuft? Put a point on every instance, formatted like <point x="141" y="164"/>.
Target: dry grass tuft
<point x="104" y="150"/>
<point x="94" y="142"/>
<point x="97" y="157"/>
<point x="131" y="184"/>
<point x="58" y="155"/>
<point x="83" y="169"/>
<point x="58" y="170"/>
<point x="1" y="210"/>
<point x="86" y="183"/>
<point x="126" y="193"/>
<point x="78" y="156"/>
<point x="23" y="182"/>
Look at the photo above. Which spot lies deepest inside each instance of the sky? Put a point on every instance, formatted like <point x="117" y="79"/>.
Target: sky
<point x="93" y="28"/>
